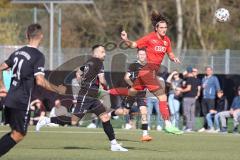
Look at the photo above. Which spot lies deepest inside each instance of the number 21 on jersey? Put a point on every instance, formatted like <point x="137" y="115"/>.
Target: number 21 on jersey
<point x="17" y="67"/>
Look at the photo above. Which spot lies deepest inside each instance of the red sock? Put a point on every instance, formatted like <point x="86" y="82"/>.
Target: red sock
<point x="164" y="110"/>
<point x="119" y="91"/>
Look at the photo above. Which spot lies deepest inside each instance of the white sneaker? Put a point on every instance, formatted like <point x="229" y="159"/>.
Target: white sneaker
<point x="202" y="130"/>
<point x="92" y="125"/>
<point x="159" y="128"/>
<point x="217" y="130"/>
<point x="128" y="126"/>
<point x="118" y="148"/>
<point x="42" y="122"/>
<point x="188" y="130"/>
<point x="211" y="130"/>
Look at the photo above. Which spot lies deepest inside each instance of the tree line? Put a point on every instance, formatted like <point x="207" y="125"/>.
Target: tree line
<point x="192" y="22"/>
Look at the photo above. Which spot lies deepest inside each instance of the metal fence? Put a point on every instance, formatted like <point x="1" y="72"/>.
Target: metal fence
<point x="222" y="61"/>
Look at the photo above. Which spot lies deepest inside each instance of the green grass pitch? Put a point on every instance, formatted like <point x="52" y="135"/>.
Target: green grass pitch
<point x="65" y="143"/>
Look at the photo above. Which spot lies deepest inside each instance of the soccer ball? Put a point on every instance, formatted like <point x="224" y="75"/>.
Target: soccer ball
<point x="222" y="15"/>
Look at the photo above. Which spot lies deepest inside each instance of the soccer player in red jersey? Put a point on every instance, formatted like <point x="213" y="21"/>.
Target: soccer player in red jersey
<point x="157" y="44"/>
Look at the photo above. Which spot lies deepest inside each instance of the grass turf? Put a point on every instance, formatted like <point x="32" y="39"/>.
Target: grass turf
<point x="87" y="144"/>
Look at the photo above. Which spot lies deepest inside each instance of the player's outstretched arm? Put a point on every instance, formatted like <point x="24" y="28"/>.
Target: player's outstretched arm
<point x="41" y="81"/>
<point x="173" y="58"/>
<point x="127" y="41"/>
<point x="103" y="81"/>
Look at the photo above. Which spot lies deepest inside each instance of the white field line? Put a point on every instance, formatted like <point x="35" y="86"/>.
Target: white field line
<point x="128" y="132"/>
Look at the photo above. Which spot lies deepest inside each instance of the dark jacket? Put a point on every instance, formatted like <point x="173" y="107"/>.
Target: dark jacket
<point x="221" y="104"/>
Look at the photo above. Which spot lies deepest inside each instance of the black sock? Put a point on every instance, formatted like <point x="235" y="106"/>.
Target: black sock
<point x="113" y="114"/>
<point x="6" y="143"/>
<point x="144" y="126"/>
<point x="108" y="129"/>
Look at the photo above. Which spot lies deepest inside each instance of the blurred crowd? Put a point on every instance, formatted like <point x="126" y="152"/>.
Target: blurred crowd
<point x="185" y="102"/>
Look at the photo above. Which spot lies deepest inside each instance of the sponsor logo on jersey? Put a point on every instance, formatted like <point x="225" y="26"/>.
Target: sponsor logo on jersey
<point x="165" y="43"/>
<point x="160" y="49"/>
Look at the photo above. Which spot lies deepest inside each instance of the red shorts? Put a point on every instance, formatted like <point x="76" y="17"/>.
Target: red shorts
<point x="147" y="78"/>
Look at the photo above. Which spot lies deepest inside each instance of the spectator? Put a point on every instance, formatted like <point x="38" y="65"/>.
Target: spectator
<point x="76" y="84"/>
<point x="221" y="105"/>
<point x="198" y="105"/>
<point x="152" y="102"/>
<point x="189" y="99"/>
<point x="1" y="111"/>
<point x="210" y="85"/>
<point x="174" y="97"/>
<point x="59" y="110"/>
<point x="38" y="110"/>
<point x="7" y="75"/>
<point x="233" y="112"/>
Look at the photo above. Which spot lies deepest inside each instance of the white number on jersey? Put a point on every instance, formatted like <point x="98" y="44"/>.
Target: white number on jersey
<point x="17" y="67"/>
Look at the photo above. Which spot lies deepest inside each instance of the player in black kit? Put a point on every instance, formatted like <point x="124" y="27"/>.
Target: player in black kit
<point x="130" y="77"/>
<point x="87" y="102"/>
<point x="27" y="65"/>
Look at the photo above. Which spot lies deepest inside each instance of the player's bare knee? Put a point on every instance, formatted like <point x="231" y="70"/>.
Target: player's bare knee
<point x="162" y="97"/>
<point x="17" y="136"/>
<point x="144" y="118"/>
<point x="143" y="109"/>
<point x="104" y="117"/>
<point x="119" y="111"/>
<point x="125" y="112"/>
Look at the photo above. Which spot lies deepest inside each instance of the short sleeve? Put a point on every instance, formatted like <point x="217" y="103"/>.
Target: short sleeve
<point x="39" y="66"/>
<point x="9" y="61"/>
<point x="142" y="42"/>
<point x="130" y="68"/>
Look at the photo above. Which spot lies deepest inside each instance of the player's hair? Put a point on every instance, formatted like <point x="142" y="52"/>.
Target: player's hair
<point x="208" y="67"/>
<point x="157" y="17"/>
<point x="34" y="30"/>
<point x="96" y="46"/>
<point x="141" y="49"/>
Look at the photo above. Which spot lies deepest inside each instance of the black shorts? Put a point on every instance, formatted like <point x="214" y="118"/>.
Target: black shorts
<point x="17" y="119"/>
<point x="116" y="101"/>
<point x="208" y="104"/>
<point x="129" y="101"/>
<point x="88" y="105"/>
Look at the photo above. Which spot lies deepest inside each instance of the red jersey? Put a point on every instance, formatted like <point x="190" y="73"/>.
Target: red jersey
<point x="156" y="48"/>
